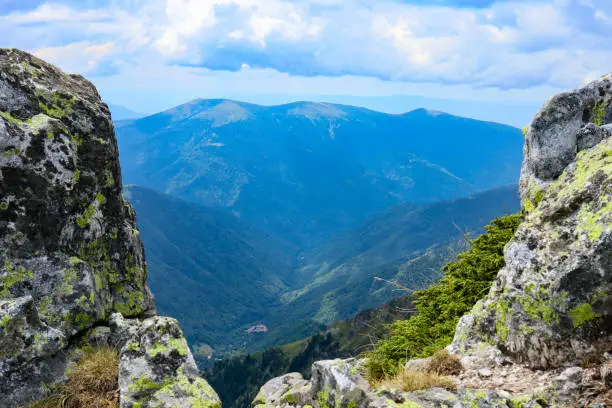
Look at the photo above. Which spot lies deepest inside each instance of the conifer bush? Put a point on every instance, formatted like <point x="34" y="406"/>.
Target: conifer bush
<point x="440" y="306"/>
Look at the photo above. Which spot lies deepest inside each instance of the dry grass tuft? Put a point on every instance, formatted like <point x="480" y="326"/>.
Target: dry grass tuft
<point x="92" y="383"/>
<point x="443" y="363"/>
<point x="410" y="380"/>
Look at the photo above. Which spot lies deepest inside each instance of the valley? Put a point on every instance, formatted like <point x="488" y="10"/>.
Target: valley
<point x="300" y="215"/>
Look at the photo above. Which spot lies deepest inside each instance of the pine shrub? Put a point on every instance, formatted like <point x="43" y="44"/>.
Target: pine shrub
<point x="440" y="306"/>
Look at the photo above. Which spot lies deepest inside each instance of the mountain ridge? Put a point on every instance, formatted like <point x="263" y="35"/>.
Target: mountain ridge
<point x="305" y="172"/>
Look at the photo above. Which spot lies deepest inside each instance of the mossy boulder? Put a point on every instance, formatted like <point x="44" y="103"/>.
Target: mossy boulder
<point x="289" y="390"/>
<point x="156" y="367"/>
<point x="70" y="253"/>
<point x="551" y="305"/>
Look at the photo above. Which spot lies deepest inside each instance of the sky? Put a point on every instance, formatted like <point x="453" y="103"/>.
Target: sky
<point x="491" y="59"/>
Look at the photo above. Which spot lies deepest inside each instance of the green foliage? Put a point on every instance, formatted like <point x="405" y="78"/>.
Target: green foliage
<point x="441" y="305"/>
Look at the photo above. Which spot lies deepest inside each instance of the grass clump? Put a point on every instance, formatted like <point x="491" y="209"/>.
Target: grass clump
<point x="92" y="383"/>
<point x="413" y="380"/>
<point x="443" y="363"/>
<point x="440" y="306"/>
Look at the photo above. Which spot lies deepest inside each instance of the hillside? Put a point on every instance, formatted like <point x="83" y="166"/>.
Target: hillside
<point x="203" y="262"/>
<point x="407" y="244"/>
<point x="306" y="171"/>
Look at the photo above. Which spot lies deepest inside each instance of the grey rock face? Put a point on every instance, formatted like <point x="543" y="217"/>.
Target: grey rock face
<point x="68" y="240"/>
<point x="25" y="340"/>
<point x="552" y="303"/>
<point x="339" y="382"/>
<point x="70" y="253"/>
<point x="556" y="134"/>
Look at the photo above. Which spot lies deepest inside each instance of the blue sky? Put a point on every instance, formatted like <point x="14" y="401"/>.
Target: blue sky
<point x="490" y="59"/>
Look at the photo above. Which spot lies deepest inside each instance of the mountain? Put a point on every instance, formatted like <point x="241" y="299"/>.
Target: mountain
<point x="406" y="244"/>
<point x="119" y="112"/>
<point x="238" y="379"/>
<point x="307" y="171"/>
<point x="523" y="318"/>
<point x="208" y="269"/>
<point x="205" y="262"/>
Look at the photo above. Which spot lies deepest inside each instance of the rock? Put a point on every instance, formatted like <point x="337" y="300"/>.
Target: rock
<point x="24" y="338"/>
<point x="479" y="355"/>
<point x="485" y="373"/>
<point x="334" y="383"/>
<point x="568" y="384"/>
<point x="551" y="304"/>
<point x="606" y="374"/>
<point x="557" y="133"/>
<point x="157" y="368"/>
<point x="480" y="399"/>
<point x="288" y="390"/>
<point x="418" y="364"/>
<point x="432" y="398"/>
<point x="339" y="382"/>
<point x="70" y="253"/>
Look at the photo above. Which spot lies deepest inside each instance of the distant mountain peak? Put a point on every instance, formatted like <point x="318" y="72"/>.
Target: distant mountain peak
<point x="427" y="112"/>
<point x="225" y="112"/>
<point x="317" y="110"/>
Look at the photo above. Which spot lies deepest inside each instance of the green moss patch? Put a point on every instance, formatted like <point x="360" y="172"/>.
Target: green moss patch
<point x="582" y="314"/>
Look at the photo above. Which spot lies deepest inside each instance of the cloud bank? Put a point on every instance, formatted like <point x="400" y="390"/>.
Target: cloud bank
<point x="515" y="47"/>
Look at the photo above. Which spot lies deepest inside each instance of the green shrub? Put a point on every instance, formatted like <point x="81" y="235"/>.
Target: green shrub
<point x="440" y="306"/>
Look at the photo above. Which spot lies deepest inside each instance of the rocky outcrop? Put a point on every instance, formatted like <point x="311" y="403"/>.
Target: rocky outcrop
<point x="70" y="253"/>
<point x="552" y="304"/>
<point x="341" y="383"/>
<point x="334" y="383"/>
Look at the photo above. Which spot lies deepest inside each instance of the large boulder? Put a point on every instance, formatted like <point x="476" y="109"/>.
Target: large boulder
<point x="551" y="305"/>
<point x="156" y="367"/>
<point x="70" y="253"/>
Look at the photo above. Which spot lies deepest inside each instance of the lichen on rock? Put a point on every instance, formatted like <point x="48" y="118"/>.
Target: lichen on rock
<point x="70" y="253"/>
<point x="156" y="368"/>
<point x="551" y="305"/>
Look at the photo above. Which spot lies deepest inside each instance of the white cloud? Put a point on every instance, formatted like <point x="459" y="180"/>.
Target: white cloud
<point x="521" y="46"/>
<point x="184" y="19"/>
<point x="55" y="12"/>
<point x="77" y="57"/>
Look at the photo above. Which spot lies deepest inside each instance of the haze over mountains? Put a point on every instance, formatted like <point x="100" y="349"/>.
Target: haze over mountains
<point x="203" y="262"/>
<point x="284" y="215"/>
<point x="304" y="171"/>
<point x="406" y="244"/>
<point x="119" y="112"/>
